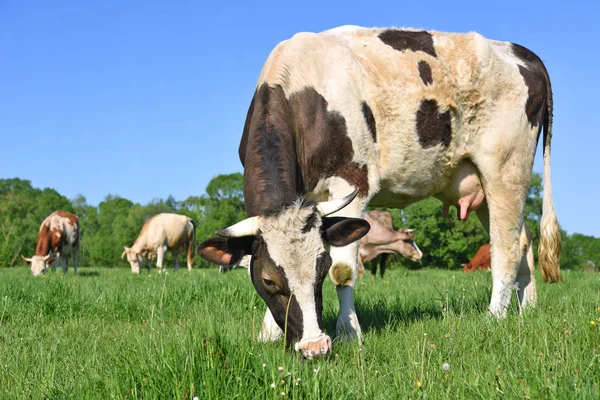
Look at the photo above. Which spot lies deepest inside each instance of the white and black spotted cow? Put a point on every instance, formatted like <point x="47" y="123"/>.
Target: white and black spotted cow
<point x="395" y="115"/>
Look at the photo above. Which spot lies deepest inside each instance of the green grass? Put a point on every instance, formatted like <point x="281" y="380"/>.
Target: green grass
<point x="106" y="334"/>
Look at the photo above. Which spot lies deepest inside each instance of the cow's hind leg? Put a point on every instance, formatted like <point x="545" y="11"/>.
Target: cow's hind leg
<point x="176" y="260"/>
<point x="526" y="292"/>
<point x="505" y="199"/>
<point x="75" y="261"/>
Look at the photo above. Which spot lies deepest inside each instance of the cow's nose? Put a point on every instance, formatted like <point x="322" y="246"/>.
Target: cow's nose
<point x="311" y="349"/>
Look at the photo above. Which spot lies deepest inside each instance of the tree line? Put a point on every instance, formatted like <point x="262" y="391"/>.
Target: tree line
<point x="116" y="222"/>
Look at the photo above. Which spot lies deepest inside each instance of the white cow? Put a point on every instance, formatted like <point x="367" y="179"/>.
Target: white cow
<point x="391" y="116"/>
<point x="160" y="233"/>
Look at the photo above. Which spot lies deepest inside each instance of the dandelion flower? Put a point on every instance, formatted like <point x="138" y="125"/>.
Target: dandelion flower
<point x="593" y="322"/>
<point x="419" y="384"/>
<point x="445" y="367"/>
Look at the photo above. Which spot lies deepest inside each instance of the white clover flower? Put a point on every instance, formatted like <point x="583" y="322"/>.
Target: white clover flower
<point x="280" y="369"/>
<point x="445" y="367"/>
<point x="273" y="385"/>
<point x="264" y="365"/>
<point x="316" y="370"/>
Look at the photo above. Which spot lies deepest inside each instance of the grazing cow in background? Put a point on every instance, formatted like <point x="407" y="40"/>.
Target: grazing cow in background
<point x="383" y="239"/>
<point x="481" y="260"/>
<point x="590" y="266"/>
<point x="57" y="242"/>
<point x="391" y="116"/>
<point x="160" y="233"/>
<point x="244" y="262"/>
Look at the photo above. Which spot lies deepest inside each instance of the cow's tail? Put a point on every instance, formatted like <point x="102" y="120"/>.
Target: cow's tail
<point x="191" y="243"/>
<point x="550" y="239"/>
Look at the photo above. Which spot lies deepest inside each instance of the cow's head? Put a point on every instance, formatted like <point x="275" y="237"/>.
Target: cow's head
<point x="39" y="264"/>
<point x="407" y="246"/>
<point x="290" y="260"/>
<point x="135" y="259"/>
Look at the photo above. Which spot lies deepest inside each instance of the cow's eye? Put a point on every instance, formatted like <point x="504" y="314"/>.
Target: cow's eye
<point x="269" y="282"/>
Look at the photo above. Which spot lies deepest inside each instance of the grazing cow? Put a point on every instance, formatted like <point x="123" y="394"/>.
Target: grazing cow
<point x="391" y="116"/>
<point x="57" y="242"/>
<point x="160" y="233"/>
<point x="383" y="239"/>
<point x="590" y="266"/>
<point x="481" y="260"/>
<point x="244" y="262"/>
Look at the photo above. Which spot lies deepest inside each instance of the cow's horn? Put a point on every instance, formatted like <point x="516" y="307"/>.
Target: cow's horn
<point x="27" y="260"/>
<point x="46" y="258"/>
<point x="410" y="230"/>
<point x="247" y="227"/>
<point x="329" y="207"/>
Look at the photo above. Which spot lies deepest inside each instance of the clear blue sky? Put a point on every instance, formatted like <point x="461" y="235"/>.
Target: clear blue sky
<point x="147" y="99"/>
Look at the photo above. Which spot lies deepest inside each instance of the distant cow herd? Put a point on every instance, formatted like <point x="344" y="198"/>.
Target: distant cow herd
<point x="383" y="117"/>
<point x="58" y="242"/>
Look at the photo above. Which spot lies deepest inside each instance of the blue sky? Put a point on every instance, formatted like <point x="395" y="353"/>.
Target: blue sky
<point x="147" y="99"/>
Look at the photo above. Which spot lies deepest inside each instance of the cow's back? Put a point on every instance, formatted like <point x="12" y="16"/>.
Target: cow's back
<point x="58" y="232"/>
<point x="165" y="229"/>
<point x="417" y="99"/>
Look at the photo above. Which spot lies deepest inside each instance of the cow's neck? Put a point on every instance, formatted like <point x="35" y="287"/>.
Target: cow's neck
<point x="268" y="153"/>
<point x="44" y="242"/>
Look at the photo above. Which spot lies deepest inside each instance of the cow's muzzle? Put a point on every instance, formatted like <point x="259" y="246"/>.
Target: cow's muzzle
<point x="314" y="346"/>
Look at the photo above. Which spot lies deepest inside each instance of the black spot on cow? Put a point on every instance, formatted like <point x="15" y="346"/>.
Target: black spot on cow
<point x="433" y="127"/>
<point x="322" y="268"/>
<point x="288" y="145"/>
<point x="244" y="141"/>
<point x="369" y="119"/>
<point x="425" y="72"/>
<point x="323" y="146"/>
<point x="538" y="84"/>
<point x="408" y="40"/>
<point x="268" y="154"/>
<point x="310" y="222"/>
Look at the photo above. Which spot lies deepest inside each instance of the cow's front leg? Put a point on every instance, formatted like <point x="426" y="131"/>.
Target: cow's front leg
<point x="343" y="273"/>
<point x="63" y="263"/>
<point x="344" y="265"/>
<point x="160" y="256"/>
<point x="269" y="330"/>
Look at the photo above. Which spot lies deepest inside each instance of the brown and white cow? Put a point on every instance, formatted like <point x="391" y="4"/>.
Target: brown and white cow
<point x="383" y="240"/>
<point x="160" y="233"/>
<point x="392" y="116"/>
<point x="57" y="242"/>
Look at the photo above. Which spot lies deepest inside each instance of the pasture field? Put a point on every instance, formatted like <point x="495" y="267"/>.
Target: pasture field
<point x="107" y="334"/>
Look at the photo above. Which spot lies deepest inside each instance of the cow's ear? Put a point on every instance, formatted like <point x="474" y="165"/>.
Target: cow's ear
<point x="225" y="251"/>
<point x="341" y="231"/>
<point x="50" y="260"/>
